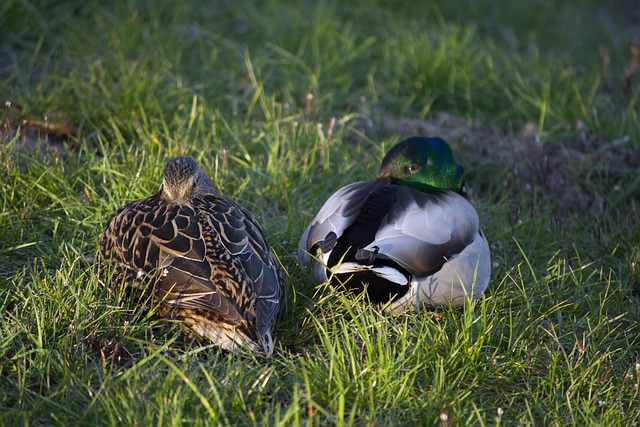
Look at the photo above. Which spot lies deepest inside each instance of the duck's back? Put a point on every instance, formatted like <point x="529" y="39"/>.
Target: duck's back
<point x="380" y="235"/>
<point x="207" y="261"/>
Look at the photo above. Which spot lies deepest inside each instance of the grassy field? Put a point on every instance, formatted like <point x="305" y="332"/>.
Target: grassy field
<point x="282" y="103"/>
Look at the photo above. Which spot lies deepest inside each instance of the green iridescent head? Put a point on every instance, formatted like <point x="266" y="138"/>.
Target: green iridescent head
<point x="426" y="164"/>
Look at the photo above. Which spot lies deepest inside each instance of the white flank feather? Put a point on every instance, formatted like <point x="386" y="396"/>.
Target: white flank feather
<point x="387" y="273"/>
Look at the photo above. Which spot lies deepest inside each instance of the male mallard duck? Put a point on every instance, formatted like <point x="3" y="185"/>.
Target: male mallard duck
<point x="204" y="258"/>
<point x="411" y="236"/>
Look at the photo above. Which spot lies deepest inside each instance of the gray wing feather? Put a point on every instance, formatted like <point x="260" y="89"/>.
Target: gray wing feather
<point x="423" y="230"/>
<point x="466" y="275"/>
<point x="335" y="216"/>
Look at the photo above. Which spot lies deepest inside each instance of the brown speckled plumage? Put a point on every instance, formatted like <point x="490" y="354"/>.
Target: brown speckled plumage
<point x="202" y="256"/>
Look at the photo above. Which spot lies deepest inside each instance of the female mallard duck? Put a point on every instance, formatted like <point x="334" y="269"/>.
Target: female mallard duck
<point x="204" y="258"/>
<point x="410" y="237"/>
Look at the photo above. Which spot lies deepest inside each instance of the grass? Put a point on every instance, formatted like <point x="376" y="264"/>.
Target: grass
<point x="282" y="104"/>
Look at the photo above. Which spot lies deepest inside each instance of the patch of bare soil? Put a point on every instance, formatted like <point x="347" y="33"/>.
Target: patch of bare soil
<point x="43" y="140"/>
<point x="570" y="175"/>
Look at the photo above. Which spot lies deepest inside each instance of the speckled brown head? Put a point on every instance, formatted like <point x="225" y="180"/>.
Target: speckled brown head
<point x="184" y="180"/>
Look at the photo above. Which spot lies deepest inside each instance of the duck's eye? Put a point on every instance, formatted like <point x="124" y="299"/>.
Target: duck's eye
<point x="414" y="168"/>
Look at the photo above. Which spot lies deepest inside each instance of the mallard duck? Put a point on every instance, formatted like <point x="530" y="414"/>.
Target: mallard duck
<point x="410" y="238"/>
<point x="201" y="256"/>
